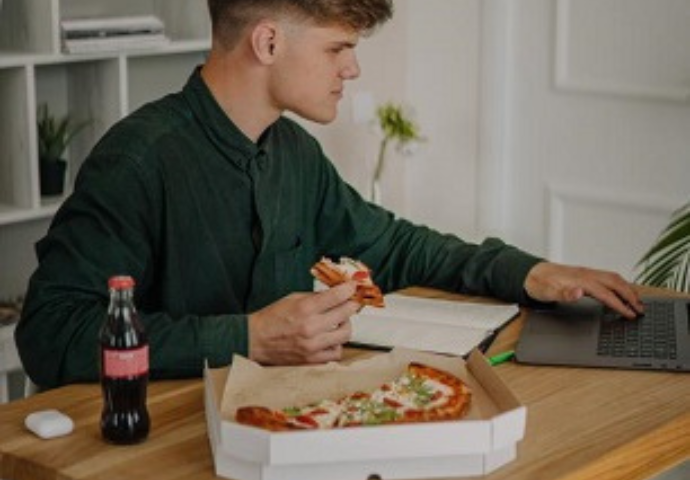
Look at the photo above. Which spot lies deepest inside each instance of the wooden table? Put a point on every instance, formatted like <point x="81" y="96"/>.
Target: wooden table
<point x="582" y="424"/>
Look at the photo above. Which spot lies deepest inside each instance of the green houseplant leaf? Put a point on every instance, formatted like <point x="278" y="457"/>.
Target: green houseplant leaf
<point x="667" y="263"/>
<point x="397" y="127"/>
<point x="55" y="134"/>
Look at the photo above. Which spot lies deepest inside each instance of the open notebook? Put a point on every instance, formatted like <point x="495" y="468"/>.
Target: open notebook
<point x="441" y="326"/>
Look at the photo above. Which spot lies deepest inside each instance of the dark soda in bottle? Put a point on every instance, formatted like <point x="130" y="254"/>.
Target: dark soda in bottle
<point x="124" y="367"/>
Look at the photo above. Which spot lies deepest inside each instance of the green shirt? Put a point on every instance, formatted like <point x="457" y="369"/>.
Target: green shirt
<point x="213" y="226"/>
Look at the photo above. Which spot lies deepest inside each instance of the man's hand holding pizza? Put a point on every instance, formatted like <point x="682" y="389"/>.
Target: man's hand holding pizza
<point x="303" y="327"/>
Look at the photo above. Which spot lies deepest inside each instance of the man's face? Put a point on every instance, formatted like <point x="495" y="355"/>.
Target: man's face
<point x="312" y="64"/>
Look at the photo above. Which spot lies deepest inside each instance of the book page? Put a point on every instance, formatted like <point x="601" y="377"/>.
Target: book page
<point x="434" y="325"/>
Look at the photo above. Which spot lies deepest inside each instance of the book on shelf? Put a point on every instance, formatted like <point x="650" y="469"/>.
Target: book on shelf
<point x="91" y="35"/>
<point x="435" y="325"/>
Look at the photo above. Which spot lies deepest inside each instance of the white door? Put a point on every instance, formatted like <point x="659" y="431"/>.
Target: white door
<point x="585" y="131"/>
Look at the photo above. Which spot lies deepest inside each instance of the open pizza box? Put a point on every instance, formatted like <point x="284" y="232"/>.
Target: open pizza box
<point x="482" y="441"/>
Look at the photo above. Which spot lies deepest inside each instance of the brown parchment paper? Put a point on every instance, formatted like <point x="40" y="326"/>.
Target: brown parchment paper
<point x="250" y="384"/>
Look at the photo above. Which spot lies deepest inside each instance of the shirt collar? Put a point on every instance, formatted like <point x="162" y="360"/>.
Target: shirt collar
<point x="221" y="130"/>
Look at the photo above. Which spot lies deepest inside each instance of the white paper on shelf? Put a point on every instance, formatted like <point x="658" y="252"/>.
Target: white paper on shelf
<point x="101" y="26"/>
<point x="107" y="34"/>
<point x="433" y="325"/>
<point x="129" y="42"/>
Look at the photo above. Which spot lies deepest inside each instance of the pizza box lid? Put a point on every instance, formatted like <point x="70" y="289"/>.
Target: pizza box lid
<point x="495" y="421"/>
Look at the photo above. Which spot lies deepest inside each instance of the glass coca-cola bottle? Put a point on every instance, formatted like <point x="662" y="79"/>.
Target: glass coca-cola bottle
<point x="124" y="367"/>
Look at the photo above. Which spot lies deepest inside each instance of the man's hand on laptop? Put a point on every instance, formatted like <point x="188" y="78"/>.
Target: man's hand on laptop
<point x="553" y="282"/>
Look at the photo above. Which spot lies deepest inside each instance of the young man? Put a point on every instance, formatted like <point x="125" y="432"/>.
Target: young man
<point x="218" y="206"/>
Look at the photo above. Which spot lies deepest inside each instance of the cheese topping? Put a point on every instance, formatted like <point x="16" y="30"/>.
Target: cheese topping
<point x="414" y="393"/>
<point x="364" y="410"/>
<point x="320" y="415"/>
<point x="354" y="270"/>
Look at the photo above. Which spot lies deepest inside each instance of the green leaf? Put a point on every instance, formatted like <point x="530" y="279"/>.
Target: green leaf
<point x="667" y="261"/>
<point x="395" y="125"/>
<point x="55" y="135"/>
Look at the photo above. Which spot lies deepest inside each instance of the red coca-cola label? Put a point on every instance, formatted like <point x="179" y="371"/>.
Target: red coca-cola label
<point x="126" y="363"/>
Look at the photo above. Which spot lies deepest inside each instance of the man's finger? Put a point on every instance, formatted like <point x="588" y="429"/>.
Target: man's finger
<point x="614" y="301"/>
<point x="328" y="299"/>
<point x="332" y="354"/>
<point x="334" y="339"/>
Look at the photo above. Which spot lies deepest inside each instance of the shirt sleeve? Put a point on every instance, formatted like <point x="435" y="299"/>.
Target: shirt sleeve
<point x="97" y="233"/>
<point x="402" y="254"/>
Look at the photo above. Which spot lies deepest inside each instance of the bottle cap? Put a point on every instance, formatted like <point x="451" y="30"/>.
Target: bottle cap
<point x="120" y="282"/>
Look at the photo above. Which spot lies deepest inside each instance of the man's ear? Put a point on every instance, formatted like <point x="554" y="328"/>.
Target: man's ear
<point x="264" y="38"/>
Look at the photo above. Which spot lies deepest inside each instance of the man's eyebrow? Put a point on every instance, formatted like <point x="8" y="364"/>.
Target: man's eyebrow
<point x="345" y="44"/>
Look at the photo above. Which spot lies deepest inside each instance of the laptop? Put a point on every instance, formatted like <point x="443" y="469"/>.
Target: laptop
<point x="588" y="334"/>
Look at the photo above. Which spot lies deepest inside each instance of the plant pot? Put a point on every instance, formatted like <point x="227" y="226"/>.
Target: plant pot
<point x="52" y="174"/>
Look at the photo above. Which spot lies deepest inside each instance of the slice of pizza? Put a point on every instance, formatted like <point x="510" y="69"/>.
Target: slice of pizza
<point x="421" y="394"/>
<point x="331" y="274"/>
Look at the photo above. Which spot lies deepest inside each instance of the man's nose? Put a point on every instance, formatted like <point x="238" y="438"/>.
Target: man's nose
<point x="351" y="70"/>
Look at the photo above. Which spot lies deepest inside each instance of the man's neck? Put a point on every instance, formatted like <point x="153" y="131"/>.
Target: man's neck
<point x="240" y="91"/>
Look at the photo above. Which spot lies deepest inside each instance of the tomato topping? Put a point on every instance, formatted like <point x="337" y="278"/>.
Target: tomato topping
<point x="307" y="420"/>
<point x="360" y="275"/>
<point x="359" y="395"/>
<point x="413" y="415"/>
<point x="391" y="403"/>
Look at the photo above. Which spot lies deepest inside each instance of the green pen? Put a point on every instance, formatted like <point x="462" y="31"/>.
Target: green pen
<point x="501" y="358"/>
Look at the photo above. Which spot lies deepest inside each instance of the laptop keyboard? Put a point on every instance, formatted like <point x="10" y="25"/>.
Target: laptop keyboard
<point x="652" y="336"/>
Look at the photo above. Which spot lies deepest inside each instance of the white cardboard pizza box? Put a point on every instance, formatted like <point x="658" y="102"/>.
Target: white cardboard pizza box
<point x="478" y="444"/>
<point x="413" y="468"/>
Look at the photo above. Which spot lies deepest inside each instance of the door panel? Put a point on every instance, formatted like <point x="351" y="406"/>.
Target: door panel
<point x="588" y="150"/>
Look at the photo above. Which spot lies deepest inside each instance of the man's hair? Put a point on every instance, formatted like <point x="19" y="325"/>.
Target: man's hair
<point x="230" y="17"/>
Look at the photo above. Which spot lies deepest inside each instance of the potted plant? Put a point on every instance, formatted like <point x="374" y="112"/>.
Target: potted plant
<point x="54" y="136"/>
<point x="667" y="263"/>
<point x="395" y="126"/>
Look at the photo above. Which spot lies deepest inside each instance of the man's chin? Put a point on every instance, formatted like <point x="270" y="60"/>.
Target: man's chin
<point x="322" y="118"/>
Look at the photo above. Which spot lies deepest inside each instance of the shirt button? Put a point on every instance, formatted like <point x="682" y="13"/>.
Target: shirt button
<point x="262" y="160"/>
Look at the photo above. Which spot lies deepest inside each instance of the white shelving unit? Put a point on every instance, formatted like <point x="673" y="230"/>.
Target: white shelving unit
<point x="9" y="360"/>
<point x="100" y="87"/>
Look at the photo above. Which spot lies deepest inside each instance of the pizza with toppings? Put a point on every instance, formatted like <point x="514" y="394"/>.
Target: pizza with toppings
<point x="331" y="274"/>
<point x="421" y="394"/>
<point x="322" y="414"/>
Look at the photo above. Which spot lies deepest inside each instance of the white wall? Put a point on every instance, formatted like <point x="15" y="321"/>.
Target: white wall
<point x="595" y="151"/>
<point x="443" y="76"/>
